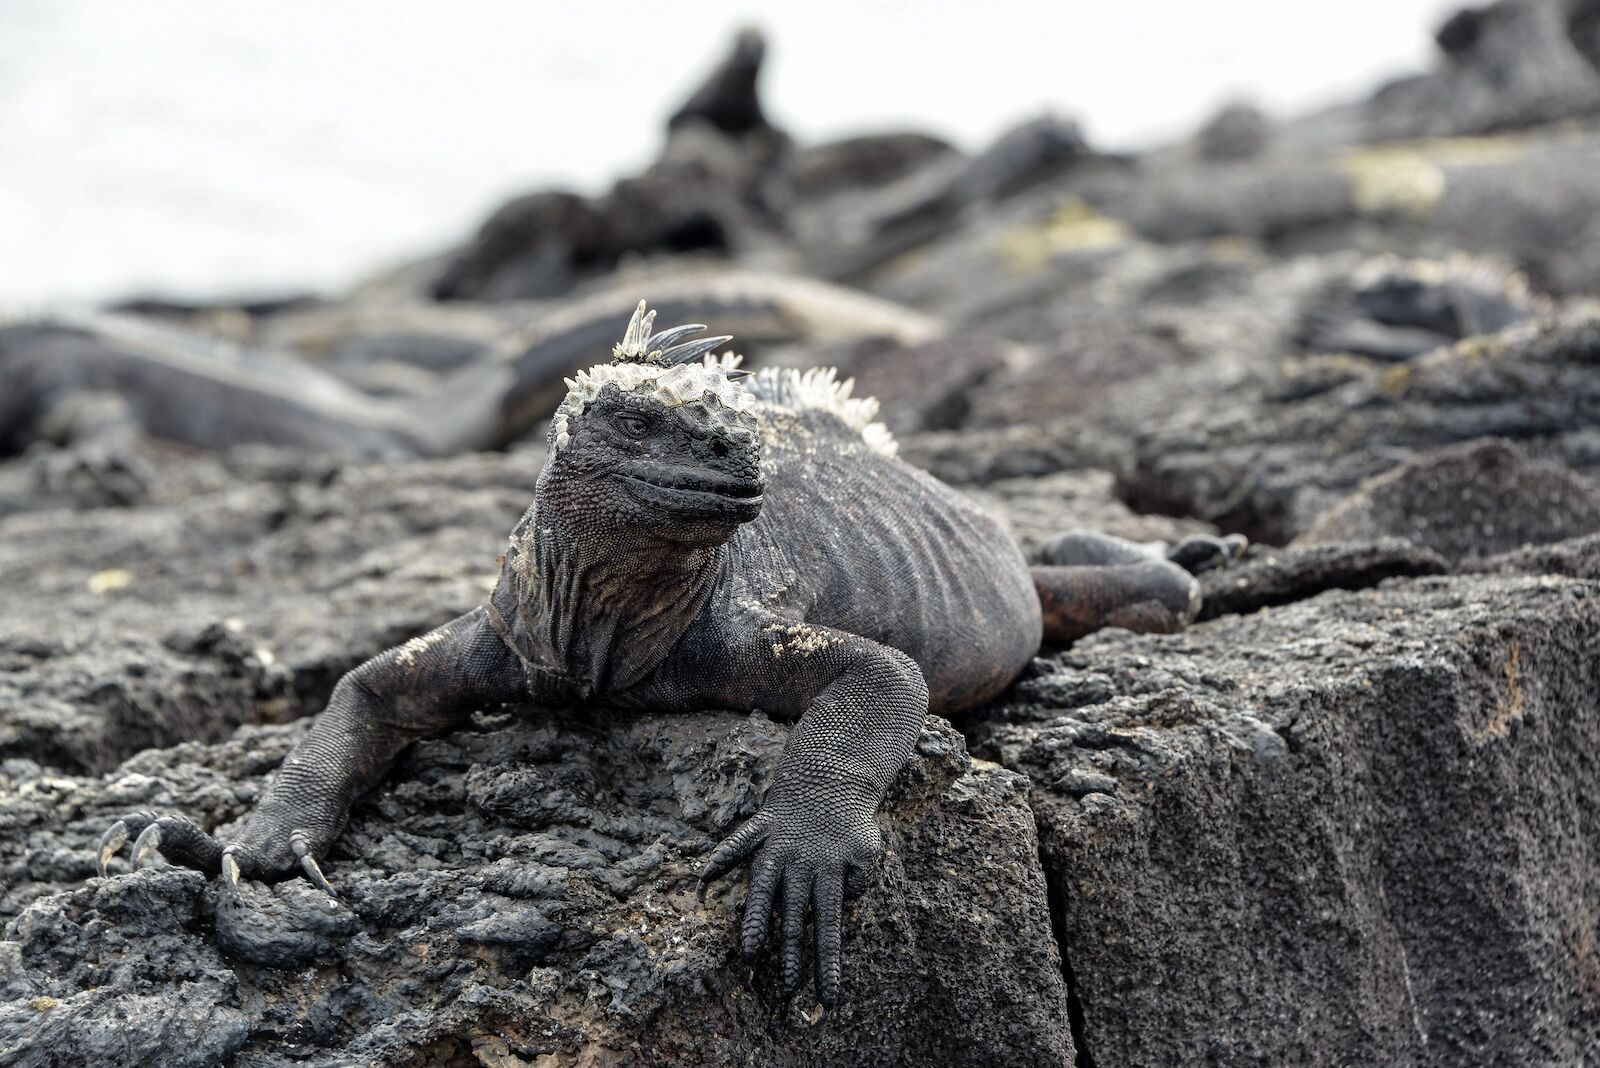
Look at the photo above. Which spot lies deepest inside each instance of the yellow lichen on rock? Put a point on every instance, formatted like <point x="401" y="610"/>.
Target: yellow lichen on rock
<point x="114" y="578"/>
<point x="1075" y="226"/>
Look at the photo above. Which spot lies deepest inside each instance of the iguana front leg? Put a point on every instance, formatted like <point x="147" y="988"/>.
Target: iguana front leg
<point x="409" y="692"/>
<point x="815" y="837"/>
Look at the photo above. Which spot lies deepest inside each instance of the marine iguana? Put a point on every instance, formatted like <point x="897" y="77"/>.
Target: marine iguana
<point x="1395" y="309"/>
<point x="106" y="379"/>
<point x="700" y="537"/>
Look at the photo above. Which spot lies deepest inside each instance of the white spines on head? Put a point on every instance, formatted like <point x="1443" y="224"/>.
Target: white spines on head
<point x="674" y="375"/>
<point x="635" y="343"/>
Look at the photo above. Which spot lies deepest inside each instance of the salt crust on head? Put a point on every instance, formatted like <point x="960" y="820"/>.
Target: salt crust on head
<point x="672" y="386"/>
<point x="816" y="389"/>
<point x="634" y="371"/>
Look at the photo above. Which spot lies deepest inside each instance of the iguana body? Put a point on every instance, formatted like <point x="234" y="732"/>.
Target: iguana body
<point x="148" y="379"/>
<point x="695" y="542"/>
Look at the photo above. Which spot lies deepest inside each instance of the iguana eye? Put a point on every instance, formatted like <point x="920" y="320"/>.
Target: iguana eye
<point x="635" y="426"/>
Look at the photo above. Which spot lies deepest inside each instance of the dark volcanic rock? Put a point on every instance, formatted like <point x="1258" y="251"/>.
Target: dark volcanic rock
<point x="1525" y="197"/>
<point x="1239" y="131"/>
<point x="1507" y="64"/>
<point x="238" y="594"/>
<point x="710" y="191"/>
<point x="1578" y="558"/>
<point x="1356" y="830"/>
<point x="1266" y="576"/>
<point x="921" y="387"/>
<point x="963" y="457"/>
<point x="1271" y="469"/>
<point x="523" y="888"/>
<point x="1467" y="501"/>
<point x="706" y="194"/>
<point x="817" y="171"/>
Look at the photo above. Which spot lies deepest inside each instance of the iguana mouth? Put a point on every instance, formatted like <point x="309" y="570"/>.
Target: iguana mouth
<point x="699" y="493"/>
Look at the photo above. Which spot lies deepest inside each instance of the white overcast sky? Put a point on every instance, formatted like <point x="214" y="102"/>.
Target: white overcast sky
<point x="200" y="148"/>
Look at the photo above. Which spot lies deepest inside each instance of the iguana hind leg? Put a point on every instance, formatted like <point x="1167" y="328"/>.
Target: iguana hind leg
<point x="1091" y="581"/>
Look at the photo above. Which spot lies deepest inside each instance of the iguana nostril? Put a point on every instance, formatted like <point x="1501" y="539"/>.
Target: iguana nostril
<point x="720" y="448"/>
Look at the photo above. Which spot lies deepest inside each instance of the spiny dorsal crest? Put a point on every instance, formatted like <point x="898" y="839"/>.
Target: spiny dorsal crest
<point x="667" y="349"/>
<point x="819" y="389"/>
<point x="673" y="371"/>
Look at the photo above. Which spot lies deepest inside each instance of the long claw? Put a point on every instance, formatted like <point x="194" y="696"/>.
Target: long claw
<point x="111" y="843"/>
<point x="308" y="863"/>
<point x="148" y="843"/>
<point x="230" y="872"/>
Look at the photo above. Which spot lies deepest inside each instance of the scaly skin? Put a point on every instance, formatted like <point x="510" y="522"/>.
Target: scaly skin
<point x="698" y="543"/>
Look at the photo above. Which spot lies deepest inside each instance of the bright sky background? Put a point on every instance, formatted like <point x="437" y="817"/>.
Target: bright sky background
<point x="194" y="148"/>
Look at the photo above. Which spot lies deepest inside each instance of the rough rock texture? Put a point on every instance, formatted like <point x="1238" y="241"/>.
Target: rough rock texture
<point x="1348" y="819"/>
<point x="1578" y="558"/>
<point x="1271" y="468"/>
<point x="1467" y="501"/>
<point x="1356" y="830"/>
<point x="1266" y="577"/>
<point x="523" y="888"/>
<point x="238" y="594"/>
<point x="1506" y="64"/>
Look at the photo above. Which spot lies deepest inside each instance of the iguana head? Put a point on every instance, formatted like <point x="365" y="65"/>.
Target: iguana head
<point x="662" y="440"/>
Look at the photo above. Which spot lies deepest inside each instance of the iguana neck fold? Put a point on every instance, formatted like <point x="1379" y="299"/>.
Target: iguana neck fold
<point x="605" y="605"/>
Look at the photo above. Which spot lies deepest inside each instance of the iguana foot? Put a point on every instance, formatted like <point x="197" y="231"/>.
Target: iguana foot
<point x="92" y="476"/>
<point x="1091" y="581"/>
<point x="173" y="837"/>
<point x="1203" y="552"/>
<point x="804" y="856"/>
<point x="176" y="839"/>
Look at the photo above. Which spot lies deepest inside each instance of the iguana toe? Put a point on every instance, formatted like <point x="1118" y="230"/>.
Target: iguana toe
<point x="174" y="838"/>
<point x="797" y="880"/>
<point x="147" y="845"/>
<point x="765" y="875"/>
<point x="734" y="849"/>
<point x="828" y="915"/>
<point x="111" y="843"/>
<point x="299" y="841"/>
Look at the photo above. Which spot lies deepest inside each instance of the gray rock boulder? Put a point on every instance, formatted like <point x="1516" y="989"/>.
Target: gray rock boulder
<point x="1466" y="501"/>
<point x="1270" y="468"/>
<point x="1508" y="64"/>
<point x="239" y="593"/>
<point x="520" y="891"/>
<point x="1355" y="830"/>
